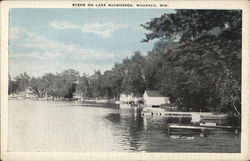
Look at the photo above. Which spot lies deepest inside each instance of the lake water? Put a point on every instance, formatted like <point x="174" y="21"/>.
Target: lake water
<point x="77" y="127"/>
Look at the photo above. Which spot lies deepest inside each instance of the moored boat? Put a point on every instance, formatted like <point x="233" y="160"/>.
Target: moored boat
<point x="213" y="116"/>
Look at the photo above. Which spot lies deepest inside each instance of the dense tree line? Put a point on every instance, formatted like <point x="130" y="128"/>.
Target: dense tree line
<point x="56" y="85"/>
<point x="196" y="61"/>
<point x="200" y="54"/>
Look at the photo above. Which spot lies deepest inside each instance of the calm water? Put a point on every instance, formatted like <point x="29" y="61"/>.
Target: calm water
<point x="73" y="127"/>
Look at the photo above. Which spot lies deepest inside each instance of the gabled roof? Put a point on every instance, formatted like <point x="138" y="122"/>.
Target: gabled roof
<point x="153" y="93"/>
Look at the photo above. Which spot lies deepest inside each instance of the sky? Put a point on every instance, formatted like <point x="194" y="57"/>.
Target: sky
<point x="87" y="39"/>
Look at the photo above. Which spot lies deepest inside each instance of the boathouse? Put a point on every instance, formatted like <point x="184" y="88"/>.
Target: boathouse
<point x="154" y="98"/>
<point x="77" y="95"/>
<point x="126" y="98"/>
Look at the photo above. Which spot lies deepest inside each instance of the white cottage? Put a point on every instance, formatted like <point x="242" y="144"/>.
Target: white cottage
<point x="125" y="98"/>
<point x="154" y="98"/>
<point x="28" y="93"/>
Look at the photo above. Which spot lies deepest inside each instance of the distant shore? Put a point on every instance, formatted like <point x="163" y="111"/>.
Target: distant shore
<point x="90" y="100"/>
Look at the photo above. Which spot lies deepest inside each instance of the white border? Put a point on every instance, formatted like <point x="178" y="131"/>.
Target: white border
<point x="177" y="4"/>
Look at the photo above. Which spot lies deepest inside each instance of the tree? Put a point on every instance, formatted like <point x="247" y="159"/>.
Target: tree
<point x="66" y="81"/>
<point x="22" y="81"/>
<point x="34" y="84"/>
<point x="200" y="57"/>
<point x="56" y="85"/>
<point x="95" y="84"/>
<point x="190" y="25"/>
<point x="134" y="78"/>
<point x="12" y="87"/>
<point x="83" y="86"/>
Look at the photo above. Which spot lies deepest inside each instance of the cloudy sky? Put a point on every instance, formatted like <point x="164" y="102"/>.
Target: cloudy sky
<point x="51" y="40"/>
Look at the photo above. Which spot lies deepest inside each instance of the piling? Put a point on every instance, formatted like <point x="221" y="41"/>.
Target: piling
<point x="203" y="132"/>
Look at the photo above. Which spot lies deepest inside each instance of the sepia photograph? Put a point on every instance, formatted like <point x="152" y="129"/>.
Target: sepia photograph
<point x="124" y="78"/>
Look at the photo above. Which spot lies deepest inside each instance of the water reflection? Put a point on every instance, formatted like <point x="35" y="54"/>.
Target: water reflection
<point x="140" y="132"/>
<point x="114" y="118"/>
<point x="130" y="123"/>
<point x="151" y="134"/>
<point x="76" y="126"/>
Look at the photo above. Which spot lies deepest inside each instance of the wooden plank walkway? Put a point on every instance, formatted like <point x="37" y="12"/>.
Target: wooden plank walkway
<point x="195" y="116"/>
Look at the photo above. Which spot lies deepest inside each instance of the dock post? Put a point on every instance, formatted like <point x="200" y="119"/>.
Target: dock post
<point x="202" y="134"/>
<point x="169" y="129"/>
<point x="145" y="124"/>
<point x="236" y="131"/>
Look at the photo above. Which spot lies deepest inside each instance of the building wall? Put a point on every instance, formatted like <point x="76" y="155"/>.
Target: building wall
<point x="77" y="95"/>
<point x="126" y="98"/>
<point x="155" y="101"/>
<point x="28" y="95"/>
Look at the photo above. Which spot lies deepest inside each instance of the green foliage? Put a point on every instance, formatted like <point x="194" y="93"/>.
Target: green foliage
<point x="12" y="88"/>
<point x="195" y="73"/>
<point x="22" y="81"/>
<point x="189" y="25"/>
<point x="83" y="86"/>
<point x="59" y="85"/>
<point x="200" y="52"/>
<point x="96" y="84"/>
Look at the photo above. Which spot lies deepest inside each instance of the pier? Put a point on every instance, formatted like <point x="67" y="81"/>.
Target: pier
<point x="202" y="128"/>
<point x="194" y="116"/>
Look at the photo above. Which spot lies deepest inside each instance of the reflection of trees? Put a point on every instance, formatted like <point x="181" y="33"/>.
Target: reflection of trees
<point x="114" y="118"/>
<point x="135" y="130"/>
<point x="129" y="123"/>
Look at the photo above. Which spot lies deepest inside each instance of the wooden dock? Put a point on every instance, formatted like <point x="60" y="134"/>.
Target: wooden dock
<point x="202" y="128"/>
<point x="153" y="112"/>
<point x="195" y="116"/>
